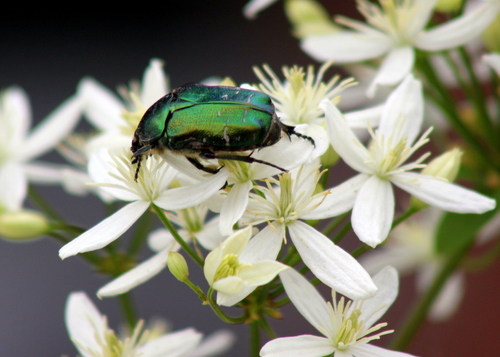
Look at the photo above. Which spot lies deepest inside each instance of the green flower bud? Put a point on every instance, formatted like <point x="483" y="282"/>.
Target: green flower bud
<point x="178" y="266"/>
<point x="447" y="5"/>
<point x="23" y="225"/>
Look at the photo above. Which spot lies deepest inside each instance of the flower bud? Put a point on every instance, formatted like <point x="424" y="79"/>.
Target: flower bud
<point x="445" y="166"/>
<point x="447" y="5"/>
<point x="23" y="225"/>
<point x="178" y="266"/>
<point x="309" y="18"/>
<point x="491" y="36"/>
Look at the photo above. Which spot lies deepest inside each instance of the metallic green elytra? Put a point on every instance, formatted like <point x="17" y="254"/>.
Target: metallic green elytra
<point x="210" y="122"/>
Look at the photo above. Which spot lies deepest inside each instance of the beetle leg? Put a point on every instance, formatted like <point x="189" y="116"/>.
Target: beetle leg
<point x="248" y="159"/>
<point x="200" y="166"/>
<point x="290" y="130"/>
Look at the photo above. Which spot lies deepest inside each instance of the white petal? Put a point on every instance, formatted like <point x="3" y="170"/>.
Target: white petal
<point x="307" y="300"/>
<point x="14" y="186"/>
<point x="215" y="344"/>
<point x="342" y="138"/>
<point x="449" y="299"/>
<point x="298" y="346"/>
<point x="209" y="237"/>
<point x="330" y="263"/>
<point x="346" y="46"/>
<point x="102" y="107"/>
<point x="404" y="258"/>
<point x="154" y="83"/>
<point x="136" y="276"/>
<point x="405" y="102"/>
<point x="229" y="285"/>
<point x="106" y="231"/>
<point x="493" y="60"/>
<point x="55" y="127"/>
<point x="340" y="199"/>
<point x="261" y="273"/>
<point x="84" y="322"/>
<point x="232" y="299"/>
<point x="395" y="66"/>
<point x="233" y="206"/>
<point x="237" y="241"/>
<point x="253" y="7"/>
<point x="447" y="196"/>
<point x="15" y="116"/>
<point x="373" y="211"/>
<point x="175" y="344"/>
<point x="387" y="282"/>
<point x="366" y="350"/>
<point x="189" y="196"/>
<point x="43" y="172"/>
<point x="364" y="118"/>
<point x="459" y="31"/>
<point x="265" y="245"/>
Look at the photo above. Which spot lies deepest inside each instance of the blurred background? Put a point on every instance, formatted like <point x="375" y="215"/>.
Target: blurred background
<point x="49" y="52"/>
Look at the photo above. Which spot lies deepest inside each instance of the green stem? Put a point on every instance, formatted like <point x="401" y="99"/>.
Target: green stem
<point x="265" y="327"/>
<point x="166" y="222"/>
<point x="140" y="235"/>
<point x="128" y="310"/>
<point x="334" y="223"/>
<point x="338" y="237"/>
<point x="254" y="339"/>
<point x="42" y="204"/>
<point x="423" y="305"/>
<point x="221" y="314"/>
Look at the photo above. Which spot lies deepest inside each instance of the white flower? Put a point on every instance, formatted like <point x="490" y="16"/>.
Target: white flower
<point x="114" y="172"/>
<point x="283" y="208"/>
<point x="253" y="7"/>
<point x="19" y="146"/>
<point x="411" y="248"/>
<point x="382" y="164"/>
<point x="236" y="268"/>
<point x="89" y="331"/>
<point x="347" y="327"/>
<point x="394" y="29"/>
<point x="297" y="99"/>
<point x="192" y="226"/>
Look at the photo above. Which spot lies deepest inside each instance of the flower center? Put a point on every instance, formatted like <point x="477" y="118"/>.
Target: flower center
<point x="229" y="266"/>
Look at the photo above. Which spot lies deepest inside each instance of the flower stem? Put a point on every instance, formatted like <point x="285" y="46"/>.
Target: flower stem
<point x="221" y="314"/>
<point x="423" y="305"/>
<point x="254" y="339"/>
<point x="128" y="310"/>
<point x="166" y="222"/>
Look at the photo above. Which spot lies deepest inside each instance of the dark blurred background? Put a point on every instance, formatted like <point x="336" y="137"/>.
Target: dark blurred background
<point x="48" y="52"/>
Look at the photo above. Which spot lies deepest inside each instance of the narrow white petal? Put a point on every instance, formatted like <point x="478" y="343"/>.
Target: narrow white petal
<point x="346" y="46"/>
<point x="406" y="102"/>
<point x="261" y="273"/>
<point x="210" y="237"/>
<point x="364" y="118"/>
<point x="387" y="282"/>
<point x="14" y="186"/>
<point x="493" y="60"/>
<point x="43" y="172"/>
<point x="307" y="300"/>
<point x="237" y="242"/>
<point x="459" y="31"/>
<point x="102" y="108"/>
<point x="15" y="114"/>
<point x="342" y="138"/>
<point x="449" y="299"/>
<point x="136" y="276"/>
<point x="298" y="346"/>
<point x="367" y="350"/>
<point x="84" y="322"/>
<point x="447" y="196"/>
<point x="229" y="285"/>
<point x="175" y="344"/>
<point x="373" y="211"/>
<point x="330" y="263"/>
<point x="395" y="66"/>
<point x="265" y="245"/>
<point x="55" y="127"/>
<point x="404" y="258"/>
<point x="233" y="206"/>
<point x="154" y="83"/>
<point x="191" y="195"/>
<point x="340" y="199"/>
<point x="215" y="344"/>
<point x="106" y="231"/>
<point x="253" y="7"/>
<point x="232" y="299"/>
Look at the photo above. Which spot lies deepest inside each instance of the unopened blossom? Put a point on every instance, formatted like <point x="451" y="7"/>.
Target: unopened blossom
<point x="92" y="337"/>
<point x="411" y="248"/>
<point x="236" y="268"/>
<point x="383" y="163"/>
<point x="297" y="98"/>
<point x="20" y="145"/>
<point x="191" y="226"/>
<point x="113" y="171"/>
<point x="283" y="204"/>
<point x="393" y="31"/>
<point x="347" y="327"/>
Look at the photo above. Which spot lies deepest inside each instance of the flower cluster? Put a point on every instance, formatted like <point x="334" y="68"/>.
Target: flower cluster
<point x="266" y="220"/>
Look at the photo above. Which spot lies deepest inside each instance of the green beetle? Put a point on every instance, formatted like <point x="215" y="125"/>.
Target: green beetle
<point x="210" y="122"/>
